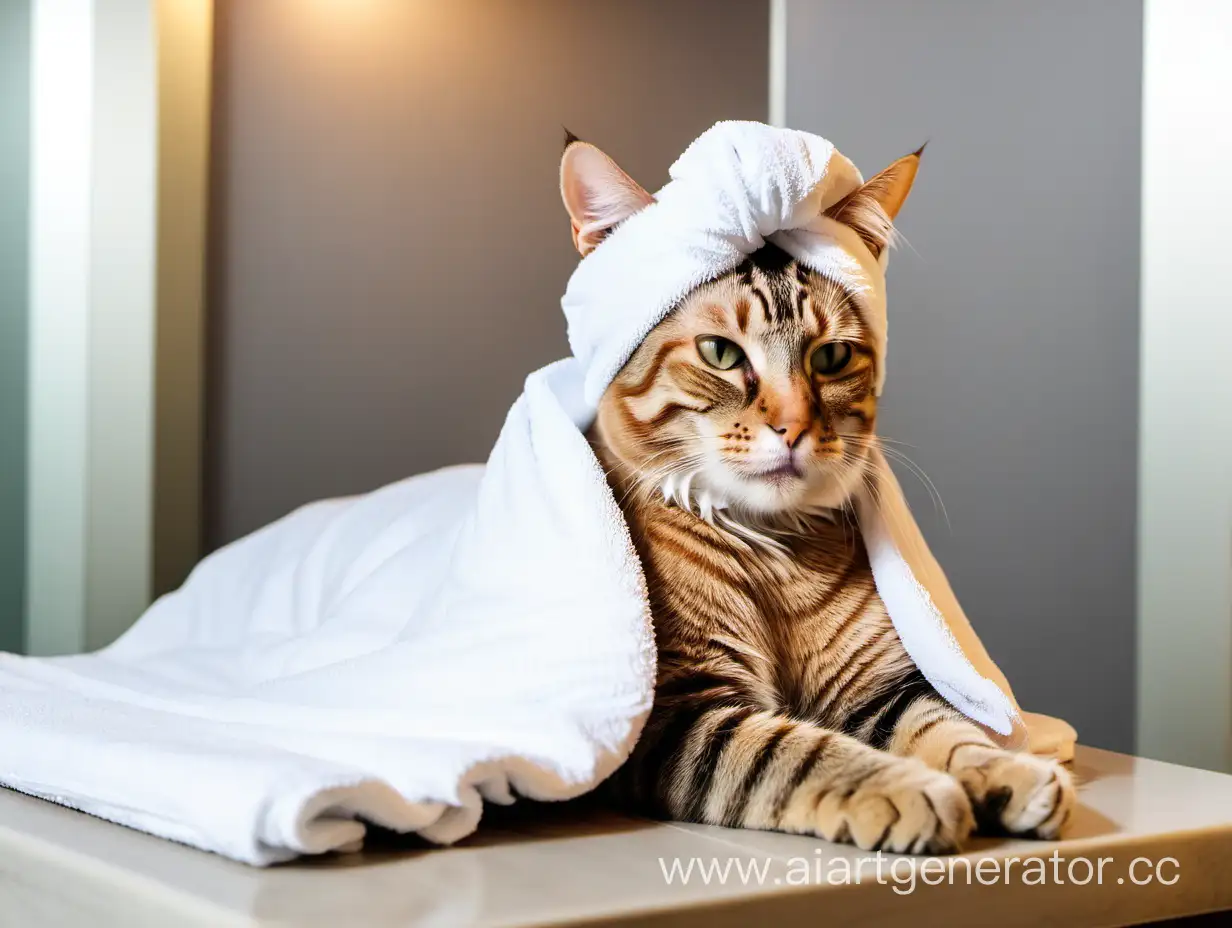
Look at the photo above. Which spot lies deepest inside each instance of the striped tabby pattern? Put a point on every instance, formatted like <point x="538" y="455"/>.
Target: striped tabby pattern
<point x="785" y="699"/>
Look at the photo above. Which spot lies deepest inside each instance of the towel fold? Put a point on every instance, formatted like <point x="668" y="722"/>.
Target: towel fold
<point x="473" y="634"/>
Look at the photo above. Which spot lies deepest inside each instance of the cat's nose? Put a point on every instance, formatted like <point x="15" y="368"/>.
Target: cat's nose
<point x="792" y="431"/>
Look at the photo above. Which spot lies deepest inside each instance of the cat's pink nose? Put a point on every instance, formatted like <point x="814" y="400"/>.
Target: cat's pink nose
<point x="792" y="431"/>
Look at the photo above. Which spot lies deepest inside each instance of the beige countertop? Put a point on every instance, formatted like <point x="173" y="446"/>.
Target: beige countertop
<point x="552" y="865"/>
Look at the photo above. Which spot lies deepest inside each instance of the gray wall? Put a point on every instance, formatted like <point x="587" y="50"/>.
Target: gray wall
<point x="388" y="247"/>
<point x="14" y="258"/>
<point x="1013" y="367"/>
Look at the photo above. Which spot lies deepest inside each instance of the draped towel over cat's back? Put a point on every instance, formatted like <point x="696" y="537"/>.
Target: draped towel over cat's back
<point x="471" y="634"/>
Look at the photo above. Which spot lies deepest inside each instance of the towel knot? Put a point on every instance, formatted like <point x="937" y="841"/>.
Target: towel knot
<point x="757" y="180"/>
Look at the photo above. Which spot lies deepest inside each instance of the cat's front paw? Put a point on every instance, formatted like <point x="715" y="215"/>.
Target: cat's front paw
<point x="905" y="808"/>
<point x="1013" y="793"/>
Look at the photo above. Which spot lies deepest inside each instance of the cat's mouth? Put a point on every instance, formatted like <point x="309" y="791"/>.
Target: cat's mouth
<point x="783" y="471"/>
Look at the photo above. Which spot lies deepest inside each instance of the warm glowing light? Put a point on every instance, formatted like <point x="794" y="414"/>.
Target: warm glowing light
<point x="351" y="29"/>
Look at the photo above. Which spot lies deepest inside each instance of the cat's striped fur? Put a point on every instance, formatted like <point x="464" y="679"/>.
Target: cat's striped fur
<point x="785" y="699"/>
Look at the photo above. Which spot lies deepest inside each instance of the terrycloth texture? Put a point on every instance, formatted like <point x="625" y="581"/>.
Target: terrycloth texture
<point x="470" y="633"/>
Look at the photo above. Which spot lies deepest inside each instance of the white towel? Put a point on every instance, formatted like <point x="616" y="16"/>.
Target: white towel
<point x="470" y="634"/>
<point x="463" y="635"/>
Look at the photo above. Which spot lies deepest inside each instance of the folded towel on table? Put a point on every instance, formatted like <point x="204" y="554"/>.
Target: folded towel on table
<point x="473" y="633"/>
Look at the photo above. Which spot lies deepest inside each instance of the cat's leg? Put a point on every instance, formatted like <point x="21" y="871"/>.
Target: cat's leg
<point x="741" y="766"/>
<point x="1012" y="792"/>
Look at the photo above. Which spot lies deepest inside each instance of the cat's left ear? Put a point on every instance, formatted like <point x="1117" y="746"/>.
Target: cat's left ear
<point x="870" y="209"/>
<point x="597" y="193"/>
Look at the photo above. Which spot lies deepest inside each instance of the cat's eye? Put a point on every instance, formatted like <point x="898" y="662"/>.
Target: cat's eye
<point x="719" y="352"/>
<point x="830" y="359"/>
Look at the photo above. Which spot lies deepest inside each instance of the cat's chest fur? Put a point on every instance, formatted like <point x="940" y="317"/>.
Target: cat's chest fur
<point x="806" y="623"/>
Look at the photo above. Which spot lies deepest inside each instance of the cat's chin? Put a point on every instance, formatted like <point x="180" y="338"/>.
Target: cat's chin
<point x="772" y="496"/>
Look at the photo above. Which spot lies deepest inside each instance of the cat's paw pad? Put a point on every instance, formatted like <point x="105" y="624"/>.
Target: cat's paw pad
<point x="905" y="808"/>
<point x="1016" y="794"/>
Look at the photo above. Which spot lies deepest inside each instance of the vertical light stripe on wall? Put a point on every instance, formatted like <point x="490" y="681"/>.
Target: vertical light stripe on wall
<point x="121" y="335"/>
<point x="778" y="63"/>
<point x="14" y="271"/>
<point x="1185" y="529"/>
<point x="90" y="459"/>
<point x="61" y="155"/>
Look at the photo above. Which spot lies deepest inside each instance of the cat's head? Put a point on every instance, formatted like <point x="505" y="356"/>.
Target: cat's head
<point x="757" y="392"/>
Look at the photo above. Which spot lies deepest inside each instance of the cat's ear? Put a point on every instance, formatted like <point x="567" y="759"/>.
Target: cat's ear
<point x="597" y="193"/>
<point x="871" y="208"/>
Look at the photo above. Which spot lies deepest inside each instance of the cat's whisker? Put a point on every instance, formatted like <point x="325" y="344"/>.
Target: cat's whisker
<point x="922" y="476"/>
<point x="882" y="439"/>
<point x="894" y="454"/>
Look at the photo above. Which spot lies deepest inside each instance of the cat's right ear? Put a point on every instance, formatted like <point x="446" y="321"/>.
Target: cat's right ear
<point x="871" y="209"/>
<point x="597" y="193"/>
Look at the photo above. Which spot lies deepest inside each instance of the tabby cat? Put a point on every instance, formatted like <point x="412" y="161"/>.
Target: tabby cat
<point x="733" y="439"/>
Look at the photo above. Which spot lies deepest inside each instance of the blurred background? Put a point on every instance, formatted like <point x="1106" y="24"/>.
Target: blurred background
<point x="259" y="252"/>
